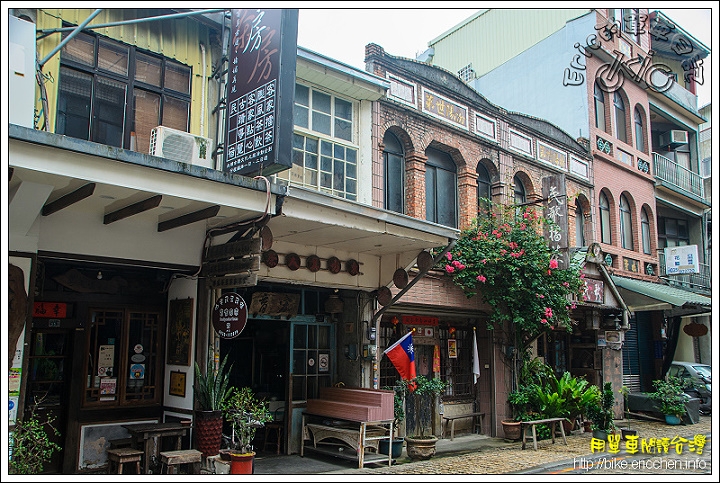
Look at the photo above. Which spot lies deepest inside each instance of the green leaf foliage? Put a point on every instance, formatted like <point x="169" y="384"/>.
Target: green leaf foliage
<point x="30" y="444"/>
<point x="212" y="388"/>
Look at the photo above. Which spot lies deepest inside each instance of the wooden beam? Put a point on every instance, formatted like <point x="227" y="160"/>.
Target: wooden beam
<point x="133" y="209"/>
<point x="71" y="198"/>
<point x="203" y="214"/>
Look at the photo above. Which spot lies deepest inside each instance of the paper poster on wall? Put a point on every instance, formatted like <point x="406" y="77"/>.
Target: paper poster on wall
<point x="108" y="385"/>
<point x="14" y="381"/>
<point x="12" y="404"/>
<point x="452" y="348"/>
<point x="106" y="360"/>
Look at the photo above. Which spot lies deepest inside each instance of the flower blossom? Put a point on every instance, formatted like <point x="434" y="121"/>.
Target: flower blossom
<point x="553" y="263"/>
<point x="449" y="255"/>
<point x="449" y="268"/>
<point x="543" y="321"/>
<point x="548" y="312"/>
<point x="481" y="278"/>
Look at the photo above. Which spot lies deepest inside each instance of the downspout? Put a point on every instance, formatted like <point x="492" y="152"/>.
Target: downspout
<point x="204" y="92"/>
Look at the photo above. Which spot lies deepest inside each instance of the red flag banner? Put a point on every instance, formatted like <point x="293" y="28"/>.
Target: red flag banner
<point x="402" y="355"/>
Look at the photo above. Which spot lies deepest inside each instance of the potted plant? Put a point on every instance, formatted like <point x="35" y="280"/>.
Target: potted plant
<point x="669" y="396"/>
<point x="601" y="413"/>
<point x="245" y="413"/>
<point x="30" y="443"/>
<point x="626" y="431"/>
<point x="211" y="390"/>
<point x="420" y="402"/>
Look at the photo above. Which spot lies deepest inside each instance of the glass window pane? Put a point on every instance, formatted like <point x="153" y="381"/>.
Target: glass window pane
<point x="323" y="337"/>
<point x="311" y="178"/>
<point x="339" y="176"/>
<point x="430" y="194"/>
<point x="339" y="151"/>
<point x="310" y="161"/>
<point x="301" y="116"/>
<point x="446" y="203"/>
<point x="176" y="113"/>
<point x="298" y="388"/>
<point x="80" y="48"/>
<point x="113" y="57"/>
<point x="109" y="112"/>
<point x="351" y="156"/>
<point x="297" y="157"/>
<point x="321" y="123"/>
<point x="350" y="188"/>
<point x="300" y="337"/>
<point x="326" y="148"/>
<point x="299" y="361"/>
<point x="326" y="163"/>
<point x="177" y="77"/>
<point x="147" y="116"/>
<point x="321" y="102"/>
<point x="326" y="180"/>
<point x="298" y="141"/>
<point x="311" y="145"/>
<point x="147" y="69"/>
<point x="312" y="362"/>
<point x="302" y="95"/>
<point x="350" y="170"/>
<point x="343" y="109"/>
<point x="74" y="101"/>
<point x="343" y="129"/>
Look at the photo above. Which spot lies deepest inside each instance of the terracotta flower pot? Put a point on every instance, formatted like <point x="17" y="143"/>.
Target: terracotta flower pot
<point x="208" y="432"/>
<point x="241" y="463"/>
<point x="512" y="429"/>
<point x="420" y="448"/>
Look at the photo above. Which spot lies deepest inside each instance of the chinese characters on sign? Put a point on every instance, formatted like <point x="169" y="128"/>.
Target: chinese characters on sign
<point x="556" y="211"/>
<point x="258" y="136"/>
<point x="594" y="291"/>
<point x="441" y="107"/>
<point x="658" y="446"/>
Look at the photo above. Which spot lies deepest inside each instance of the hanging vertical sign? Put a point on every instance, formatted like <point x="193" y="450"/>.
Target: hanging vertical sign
<point x="229" y="315"/>
<point x="553" y="190"/>
<point x="260" y="91"/>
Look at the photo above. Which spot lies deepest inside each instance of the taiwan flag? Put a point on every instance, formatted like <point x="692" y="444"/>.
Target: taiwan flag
<point x="402" y="355"/>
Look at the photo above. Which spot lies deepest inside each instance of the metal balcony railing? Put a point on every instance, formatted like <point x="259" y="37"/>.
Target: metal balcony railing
<point x="668" y="171"/>
<point x="695" y="282"/>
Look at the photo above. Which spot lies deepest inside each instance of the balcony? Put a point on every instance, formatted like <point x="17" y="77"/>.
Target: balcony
<point x="678" y="178"/>
<point x="694" y="282"/>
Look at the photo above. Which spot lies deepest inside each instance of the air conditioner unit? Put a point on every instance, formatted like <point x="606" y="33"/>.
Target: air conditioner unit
<point x="181" y="146"/>
<point x="673" y="138"/>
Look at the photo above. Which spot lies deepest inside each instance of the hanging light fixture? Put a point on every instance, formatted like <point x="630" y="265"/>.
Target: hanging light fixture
<point x="334" y="305"/>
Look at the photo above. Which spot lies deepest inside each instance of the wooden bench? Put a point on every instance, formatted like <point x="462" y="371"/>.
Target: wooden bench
<point x="171" y="459"/>
<point x="451" y="419"/>
<point x="552" y="422"/>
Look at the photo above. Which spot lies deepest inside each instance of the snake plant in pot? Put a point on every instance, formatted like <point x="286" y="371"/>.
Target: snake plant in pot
<point x="212" y="389"/>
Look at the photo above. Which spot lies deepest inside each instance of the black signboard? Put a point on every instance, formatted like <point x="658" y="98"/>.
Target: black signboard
<point x="229" y="315"/>
<point x="261" y="91"/>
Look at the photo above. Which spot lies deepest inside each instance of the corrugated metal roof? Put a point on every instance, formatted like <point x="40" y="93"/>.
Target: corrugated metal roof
<point x="661" y="292"/>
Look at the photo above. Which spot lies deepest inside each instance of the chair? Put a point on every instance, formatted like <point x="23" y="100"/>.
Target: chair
<point x="275" y="426"/>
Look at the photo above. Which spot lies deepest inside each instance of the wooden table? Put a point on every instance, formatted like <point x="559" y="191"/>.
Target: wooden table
<point x="147" y="434"/>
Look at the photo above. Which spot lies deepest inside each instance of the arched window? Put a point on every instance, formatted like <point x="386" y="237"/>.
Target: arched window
<point x="620" y="125"/>
<point x="645" y="222"/>
<point x="639" y="138"/>
<point x="519" y="195"/>
<point x="579" y="225"/>
<point x="483" y="190"/>
<point x="599" y="107"/>
<point x="626" y="234"/>
<point x="440" y="188"/>
<point x="604" y="208"/>
<point x="394" y="158"/>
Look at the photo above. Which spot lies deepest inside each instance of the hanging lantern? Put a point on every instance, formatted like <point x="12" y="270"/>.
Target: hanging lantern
<point x="334" y="305"/>
<point x="694" y="329"/>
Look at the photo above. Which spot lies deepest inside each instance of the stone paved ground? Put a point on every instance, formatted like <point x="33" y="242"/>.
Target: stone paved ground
<point x="513" y="459"/>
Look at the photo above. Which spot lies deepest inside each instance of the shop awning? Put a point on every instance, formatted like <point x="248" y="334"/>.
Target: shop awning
<point x="640" y="295"/>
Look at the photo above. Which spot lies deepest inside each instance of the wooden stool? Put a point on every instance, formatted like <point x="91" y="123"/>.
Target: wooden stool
<point x="170" y="459"/>
<point x="117" y="457"/>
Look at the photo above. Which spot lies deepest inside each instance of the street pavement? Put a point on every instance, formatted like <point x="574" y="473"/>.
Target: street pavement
<point x="478" y="455"/>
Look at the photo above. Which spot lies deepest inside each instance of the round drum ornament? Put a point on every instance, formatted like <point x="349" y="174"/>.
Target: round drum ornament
<point x="313" y="263"/>
<point x="292" y="261"/>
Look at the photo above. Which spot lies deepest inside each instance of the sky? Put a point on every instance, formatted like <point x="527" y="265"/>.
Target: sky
<point x="342" y="34"/>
